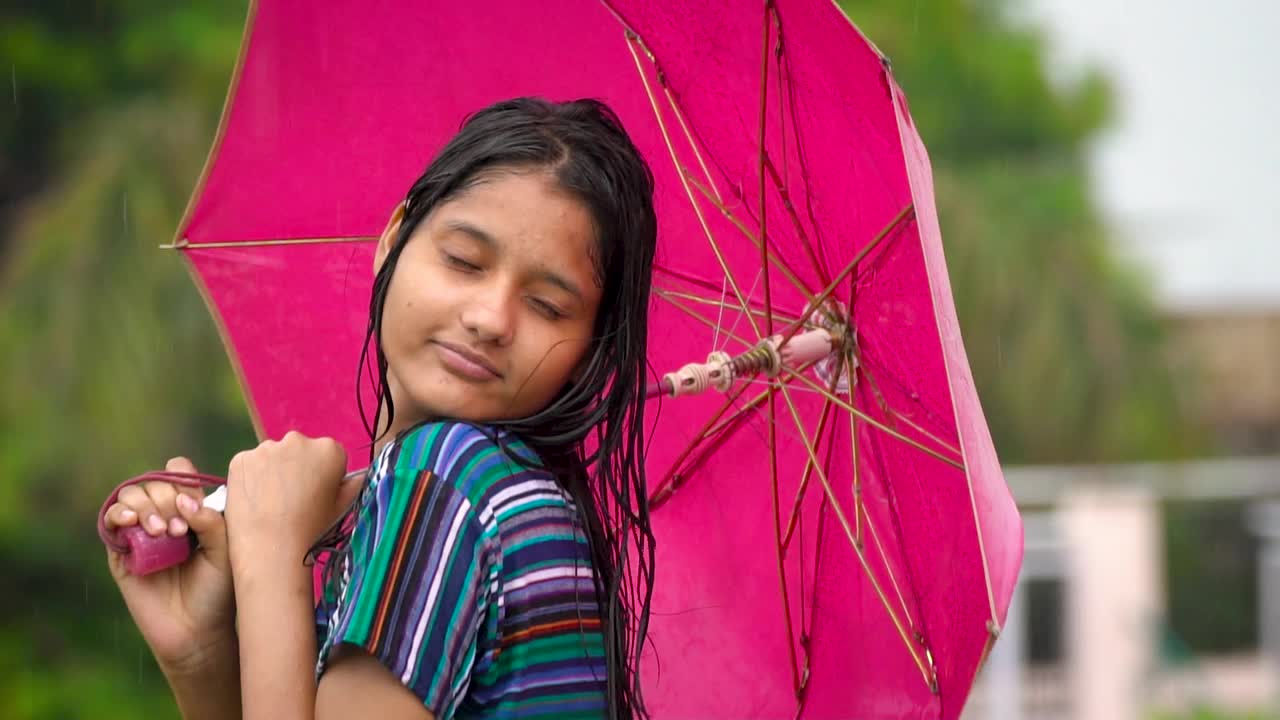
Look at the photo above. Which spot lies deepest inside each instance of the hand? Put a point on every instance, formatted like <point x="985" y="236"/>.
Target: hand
<point x="187" y="613"/>
<point x="281" y="497"/>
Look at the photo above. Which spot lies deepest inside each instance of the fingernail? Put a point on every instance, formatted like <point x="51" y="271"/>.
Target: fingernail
<point x="127" y="515"/>
<point x="188" y="504"/>
<point x="155" y="524"/>
<point x="177" y="526"/>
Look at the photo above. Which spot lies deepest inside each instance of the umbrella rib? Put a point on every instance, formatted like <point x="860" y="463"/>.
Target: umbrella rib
<point x="666" y="89"/>
<point x="714" y="195"/>
<point x="710" y="287"/>
<point x="863" y="518"/>
<point x="670" y="482"/>
<point x="780" y="553"/>
<point x="684" y="126"/>
<point x="777" y="260"/>
<point x="794" y="518"/>
<point x="751" y="404"/>
<point x="876" y="423"/>
<point x="884" y="406"/>
<point x="819" y="536"/>
<point x="925" y="671"/>
<point x="786" y="103"/>
<point x="821" y="298"/>
<point x="665" y="295"/>
<point x="785" y="194"/>
<point x="632" y="38"/>
<point x="185" y="244"/>
<point x="673" y="479"/>
<point x="721" y="304"/>
<point x="858" y="509"/>
<point x="893" y="580"/>
<point x="718" y="200"/>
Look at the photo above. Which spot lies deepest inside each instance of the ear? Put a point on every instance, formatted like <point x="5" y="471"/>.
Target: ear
<point x="388" y="238"/>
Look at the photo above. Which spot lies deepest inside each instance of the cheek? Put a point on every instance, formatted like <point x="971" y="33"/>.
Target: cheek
<point x="416" y="304"/>
<point x="551" y="357"/>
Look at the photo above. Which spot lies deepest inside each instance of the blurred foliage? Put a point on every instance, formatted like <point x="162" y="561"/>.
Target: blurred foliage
<point x="66" y="61"/>
<point x="109" y="362"/>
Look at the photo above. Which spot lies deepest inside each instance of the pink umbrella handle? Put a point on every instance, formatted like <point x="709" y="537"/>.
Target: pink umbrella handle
<point x="653" y="390"/>
<point x="144" y="554"/>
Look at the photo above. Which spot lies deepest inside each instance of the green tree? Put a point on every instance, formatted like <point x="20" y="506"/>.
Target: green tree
<point x="63" y="61"/>
<point x="110" y="365"/>
<point x="109" y="362"/>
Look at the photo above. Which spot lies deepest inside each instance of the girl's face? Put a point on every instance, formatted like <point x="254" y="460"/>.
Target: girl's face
<point x="492" y="302"/>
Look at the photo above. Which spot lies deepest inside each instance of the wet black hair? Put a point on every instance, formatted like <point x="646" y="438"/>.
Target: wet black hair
<point x="591" y="435"/>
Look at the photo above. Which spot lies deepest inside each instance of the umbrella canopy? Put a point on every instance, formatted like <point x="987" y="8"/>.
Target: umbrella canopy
<point x="835" y="536"/>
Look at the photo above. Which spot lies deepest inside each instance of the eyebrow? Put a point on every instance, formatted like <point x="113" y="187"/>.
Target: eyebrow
<point x="484" y="238"/>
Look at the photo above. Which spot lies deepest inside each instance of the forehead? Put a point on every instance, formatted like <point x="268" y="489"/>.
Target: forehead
<point x="530" y="219"/>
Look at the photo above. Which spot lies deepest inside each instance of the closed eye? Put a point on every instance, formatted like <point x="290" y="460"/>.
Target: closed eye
<point x="546" y="309"/>
<point x="458" y="263"/>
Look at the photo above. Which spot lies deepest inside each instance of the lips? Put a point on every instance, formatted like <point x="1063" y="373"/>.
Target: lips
<point x="466" y="362"/>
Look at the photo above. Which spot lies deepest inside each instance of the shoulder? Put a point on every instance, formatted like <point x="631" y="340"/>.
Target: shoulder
<point x="478" y="461"/>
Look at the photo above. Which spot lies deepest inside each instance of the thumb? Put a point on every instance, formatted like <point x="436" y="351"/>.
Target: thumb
<point x="208" y="525"/>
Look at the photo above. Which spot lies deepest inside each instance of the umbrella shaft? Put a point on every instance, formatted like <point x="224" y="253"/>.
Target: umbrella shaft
<point x="721" y="369"/>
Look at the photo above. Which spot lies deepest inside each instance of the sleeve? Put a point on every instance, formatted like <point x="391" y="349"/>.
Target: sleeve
<point x="419" y="574"/>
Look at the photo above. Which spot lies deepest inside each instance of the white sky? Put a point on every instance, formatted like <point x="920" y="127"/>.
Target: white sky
<point x="1189" y="175"/>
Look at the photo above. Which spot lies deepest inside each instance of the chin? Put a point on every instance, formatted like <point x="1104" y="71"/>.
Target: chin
<point x="446" y="397"/>
<point x="456" y="409"/>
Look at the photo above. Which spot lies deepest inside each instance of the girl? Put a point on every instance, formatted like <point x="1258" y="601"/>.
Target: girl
<point x="486" y="567"/>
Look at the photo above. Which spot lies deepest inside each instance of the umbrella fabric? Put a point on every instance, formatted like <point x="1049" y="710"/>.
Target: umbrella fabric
<point x="871" y="586"/>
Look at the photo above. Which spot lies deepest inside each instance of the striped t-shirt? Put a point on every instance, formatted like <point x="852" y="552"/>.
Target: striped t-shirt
<point x="469" y="577"/>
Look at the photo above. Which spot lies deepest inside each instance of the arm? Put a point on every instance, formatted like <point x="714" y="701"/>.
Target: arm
<point x="374" y="645"/>
<point x="186" y="614"/>
<point x="277" y="646"/>
<point x="212" y="691"/>
<point x="278" y="659"/>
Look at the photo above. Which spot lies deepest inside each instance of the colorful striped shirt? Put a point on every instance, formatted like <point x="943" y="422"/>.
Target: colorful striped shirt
<point x="470" y="578"/>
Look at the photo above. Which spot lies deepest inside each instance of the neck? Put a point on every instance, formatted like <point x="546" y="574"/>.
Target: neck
<point x="405" y="417"/>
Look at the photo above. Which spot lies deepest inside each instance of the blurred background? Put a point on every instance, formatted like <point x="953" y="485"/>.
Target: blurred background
<point x="1107" y="176"/>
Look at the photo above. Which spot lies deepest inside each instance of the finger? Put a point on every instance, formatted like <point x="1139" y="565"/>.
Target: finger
<point x="163" y="495"/>
<point x="139" y="501"/>
<point x="115" y="564"/>
<point x="180" y="464"/>
<point x="208" y="525"/>
<point x="120" y="515"/>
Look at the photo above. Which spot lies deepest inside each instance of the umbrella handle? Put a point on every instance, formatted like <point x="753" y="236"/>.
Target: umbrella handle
<point x="142" y="553"/>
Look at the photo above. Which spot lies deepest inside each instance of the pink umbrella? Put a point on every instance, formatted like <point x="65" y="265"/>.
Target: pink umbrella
<point x="841" y="543"/>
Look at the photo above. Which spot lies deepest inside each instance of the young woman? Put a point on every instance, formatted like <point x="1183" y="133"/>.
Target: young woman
<point x="497" y="560"/>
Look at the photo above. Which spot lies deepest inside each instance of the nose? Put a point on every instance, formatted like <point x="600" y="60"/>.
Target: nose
<point x="489" y="316"/>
